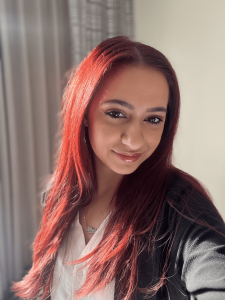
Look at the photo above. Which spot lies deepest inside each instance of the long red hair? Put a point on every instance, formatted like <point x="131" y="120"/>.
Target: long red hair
<point x="138" y="200"/>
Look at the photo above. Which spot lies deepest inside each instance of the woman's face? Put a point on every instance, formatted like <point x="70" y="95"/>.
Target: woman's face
<point x="126" y="117"/>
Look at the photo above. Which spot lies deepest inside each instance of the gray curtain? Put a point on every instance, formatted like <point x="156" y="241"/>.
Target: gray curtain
<point x="39" y="42"/>
<point x="35" y="53"/>
<point x="93" y="21"/>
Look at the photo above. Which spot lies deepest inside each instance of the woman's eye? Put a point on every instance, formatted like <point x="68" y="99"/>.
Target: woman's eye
<point x="154" y="120"/>
<point x="115" y="114"/>
<point x="118" y="115"/>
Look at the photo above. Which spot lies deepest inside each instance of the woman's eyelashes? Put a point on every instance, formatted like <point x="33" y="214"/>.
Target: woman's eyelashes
<point x="116" y="114"/>
<point x="154" y="120"/>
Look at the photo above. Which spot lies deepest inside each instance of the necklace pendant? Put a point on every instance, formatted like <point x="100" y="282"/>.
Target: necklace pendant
<point x="91" y="229"/>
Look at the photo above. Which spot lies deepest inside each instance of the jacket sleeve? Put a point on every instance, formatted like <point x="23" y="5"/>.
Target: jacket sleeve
<point x="197" y="260"/>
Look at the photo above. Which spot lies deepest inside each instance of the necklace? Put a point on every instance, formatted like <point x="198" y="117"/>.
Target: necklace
<point x="89" y="229"/>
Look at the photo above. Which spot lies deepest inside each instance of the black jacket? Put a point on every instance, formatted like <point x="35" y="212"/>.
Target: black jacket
<point x="196" y="266"/>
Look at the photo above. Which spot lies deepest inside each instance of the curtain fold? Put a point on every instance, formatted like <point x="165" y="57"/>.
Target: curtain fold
<point x="93" y="21"/>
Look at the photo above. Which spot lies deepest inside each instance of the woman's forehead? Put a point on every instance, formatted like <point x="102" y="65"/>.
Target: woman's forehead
<point x="133" y="83"/>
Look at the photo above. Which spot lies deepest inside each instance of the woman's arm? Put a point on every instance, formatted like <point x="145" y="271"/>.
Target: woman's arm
<point x="197" y="261"/>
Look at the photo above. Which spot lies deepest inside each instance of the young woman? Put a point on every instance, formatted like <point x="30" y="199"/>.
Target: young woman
<point x="120" y="221"/>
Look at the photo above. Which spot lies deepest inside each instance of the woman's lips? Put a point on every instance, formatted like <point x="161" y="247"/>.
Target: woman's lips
<point x="128" y="158"/>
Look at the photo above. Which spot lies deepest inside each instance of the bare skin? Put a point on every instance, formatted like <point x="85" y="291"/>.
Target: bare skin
<point x="130" y="128"/>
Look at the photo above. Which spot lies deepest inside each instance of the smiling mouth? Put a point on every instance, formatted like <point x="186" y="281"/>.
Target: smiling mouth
<point x="129" y="158"/>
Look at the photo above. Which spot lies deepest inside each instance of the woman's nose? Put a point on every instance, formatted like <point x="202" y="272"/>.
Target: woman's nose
<point x="132" y="136"/>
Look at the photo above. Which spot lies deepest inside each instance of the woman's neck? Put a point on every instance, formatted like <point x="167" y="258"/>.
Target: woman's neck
<point x="100" y="207"/>
<point x="107" y="182"/>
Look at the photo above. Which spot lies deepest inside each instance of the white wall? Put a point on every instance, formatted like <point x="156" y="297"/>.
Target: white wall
<point x="192" y="36"/>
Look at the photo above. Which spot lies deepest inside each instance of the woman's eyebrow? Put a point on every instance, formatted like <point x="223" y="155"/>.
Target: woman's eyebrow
<point x="128" y="105"/>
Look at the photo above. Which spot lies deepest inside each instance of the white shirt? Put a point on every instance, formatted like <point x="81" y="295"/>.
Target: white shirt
<point x="67" y="278"/>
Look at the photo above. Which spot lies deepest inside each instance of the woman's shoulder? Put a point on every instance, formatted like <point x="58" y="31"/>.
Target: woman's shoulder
<point x="190" y="209"/>
<point x="187" y="197"/>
